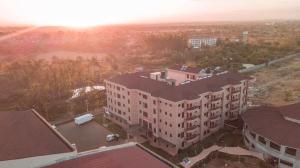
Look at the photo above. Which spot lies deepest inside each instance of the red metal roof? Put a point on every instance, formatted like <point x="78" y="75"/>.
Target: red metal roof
<point x="187" y="91"/>
<point x="127" y="157"/>
<point x="25" y="134"/>
<point x="270" y="123"/>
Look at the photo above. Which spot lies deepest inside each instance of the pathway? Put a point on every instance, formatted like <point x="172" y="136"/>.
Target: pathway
<point x="229" y="150"/>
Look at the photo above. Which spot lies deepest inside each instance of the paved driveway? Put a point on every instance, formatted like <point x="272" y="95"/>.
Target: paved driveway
<point x="87" y="136"/>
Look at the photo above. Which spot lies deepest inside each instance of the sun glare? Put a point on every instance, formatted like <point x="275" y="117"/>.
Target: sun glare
<point x="80" y="14"/>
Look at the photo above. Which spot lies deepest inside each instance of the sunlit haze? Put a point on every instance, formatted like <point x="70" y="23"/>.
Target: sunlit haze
<point x="82" y="13"/>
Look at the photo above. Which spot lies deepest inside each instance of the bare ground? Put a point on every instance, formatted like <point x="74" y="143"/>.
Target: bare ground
<point x="279" y="84"/>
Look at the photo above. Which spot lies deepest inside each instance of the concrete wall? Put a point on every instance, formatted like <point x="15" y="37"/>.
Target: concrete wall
<point x="260" y="66"/>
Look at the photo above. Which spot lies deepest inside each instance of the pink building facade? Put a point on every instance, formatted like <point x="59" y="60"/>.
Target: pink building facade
<point x="176" y="116"/>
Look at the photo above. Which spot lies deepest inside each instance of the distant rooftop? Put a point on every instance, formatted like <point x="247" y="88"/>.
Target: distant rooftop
<point x="270" y="123"/>
<point x="188" y="91"/>
<point x="26" y="134"/>
<point x="186" y="68"/>
<point x="126" y="157"/>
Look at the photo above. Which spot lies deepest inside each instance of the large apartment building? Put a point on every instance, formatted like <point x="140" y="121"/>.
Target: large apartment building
<point x="173" y="111"/>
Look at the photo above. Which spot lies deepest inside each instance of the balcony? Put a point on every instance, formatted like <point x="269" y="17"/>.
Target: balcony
<point x="232" y="116"/>
<point x="191" y="118"/>
<point x="216" y="99"/>
<point x="215" y="117"/>
<point x="216" y="107"/>
<point x="235" y="91"/>
<point x="234" y="108"/>
<point x="191" y="128"/>
<point x="189" y="138"/>
<point x="235" y="99"/>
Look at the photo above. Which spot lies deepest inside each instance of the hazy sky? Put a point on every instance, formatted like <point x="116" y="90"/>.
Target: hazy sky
<point x="93" y="12"/>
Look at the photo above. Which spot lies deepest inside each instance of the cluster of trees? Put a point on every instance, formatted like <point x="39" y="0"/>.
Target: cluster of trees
<point x="47" y="85"/>
<point x="172" y="49"/>
<point x="165" y="41"/>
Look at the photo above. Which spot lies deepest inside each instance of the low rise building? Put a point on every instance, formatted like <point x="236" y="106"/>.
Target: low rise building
<point x="275" y="132"/>
<point x="174" y="115"/>
<point x="29" y="141"/>
<point x="199" y="42"/>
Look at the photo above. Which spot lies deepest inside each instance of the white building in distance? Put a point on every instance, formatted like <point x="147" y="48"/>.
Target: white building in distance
<point x="199" y="42"/>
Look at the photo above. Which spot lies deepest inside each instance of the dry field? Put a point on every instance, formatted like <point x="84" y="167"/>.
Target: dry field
<point x="278" y="84"/>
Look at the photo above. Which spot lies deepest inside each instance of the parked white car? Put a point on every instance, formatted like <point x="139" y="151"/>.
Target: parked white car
<point x="84" y="119"/>
<point x="112" y="137"/>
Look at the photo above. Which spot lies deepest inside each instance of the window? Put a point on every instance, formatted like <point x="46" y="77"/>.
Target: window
<point x="286" y="163"/>
<point x="145" y="105"/>
<point x="290" y="151"/>
<point x="154" y="120"/>
<point x="145" y="114"/>
<point x="154" y="111"/>
<point x="118" y="88"/>
<point x="262" y="140"/>
<point x="154" y="102"/>
<point x="145" y="96"/>
<point x="118" y="96"/>
<point x="188" y="76"/>
<point x="275" y="146"/>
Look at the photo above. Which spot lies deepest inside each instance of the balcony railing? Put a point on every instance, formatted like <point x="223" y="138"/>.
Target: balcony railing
<point x="216" y="99"/>
<point x="215" y="107"/>
<point x="234" y="107"/>
<point x="235" y="90"/>
<point x="235" y="99"/>
<point x="191" y="137"/>
<point x="214" y="117"/>
<point x="191" y="118"/>
<point x="213" y="126"/>
<point x="232" y="116"/>
<point x="191" y="128"/>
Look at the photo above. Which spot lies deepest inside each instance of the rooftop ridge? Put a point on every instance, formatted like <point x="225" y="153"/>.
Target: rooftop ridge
<point x="56" y="133"/>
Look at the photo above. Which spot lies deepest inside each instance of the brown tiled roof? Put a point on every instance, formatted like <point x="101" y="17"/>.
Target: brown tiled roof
<point x="189" y="91"/>
<point x="129" y="157"/>
<point x="24" y="134"/>
<point x="188" y="69"/>
<point x="291" y="111"/>
<point x="270" y="123"/>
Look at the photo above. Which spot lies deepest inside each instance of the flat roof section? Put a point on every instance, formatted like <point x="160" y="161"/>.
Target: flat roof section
<point x="26" y="134"/>
<point x="127" y="157"/>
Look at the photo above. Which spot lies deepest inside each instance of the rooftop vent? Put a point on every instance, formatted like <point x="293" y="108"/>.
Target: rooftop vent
<point x="183" y="67"/>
